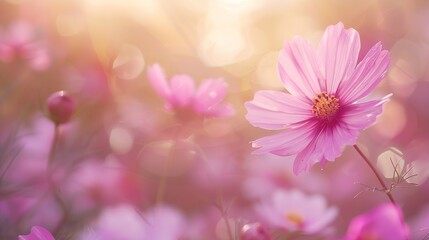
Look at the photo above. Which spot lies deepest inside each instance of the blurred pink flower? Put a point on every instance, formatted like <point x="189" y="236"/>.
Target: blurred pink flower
<point x="384" y="222"/>
<point x="322" y="111"/>
<point x="188" y="102"/>
<point x="37" y="233"/>
<point x="89" y="190"/>
<point x="124" y="222"/>
<point x="119" y="222"/>
<point x="293" y="211"/>
<point x="164" y="222"/>
<point x="21" y="44"/>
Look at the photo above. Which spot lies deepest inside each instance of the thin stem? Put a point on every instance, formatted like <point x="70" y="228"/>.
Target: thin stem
<point x="163" y="180"/>
<point x="162" y="183"/>
<point x="53" y="146"/>
<point x="225" y="218"/>
<point x="55" y="190"/>
<point x="228" y="227"/>
<point x="377" y="174"/>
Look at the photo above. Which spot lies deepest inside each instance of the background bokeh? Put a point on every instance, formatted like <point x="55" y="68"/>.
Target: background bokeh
<point x="115" y="150"/>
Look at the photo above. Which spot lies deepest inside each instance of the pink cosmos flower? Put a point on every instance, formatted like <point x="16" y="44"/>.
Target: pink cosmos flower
<point x="293" y="211"/>
<point x="323" y="111"/>
<point x="37" y="233"/>
<point x="384" y="222"/>
<point x="185" y="100"/>
<point x="21" y="44"/>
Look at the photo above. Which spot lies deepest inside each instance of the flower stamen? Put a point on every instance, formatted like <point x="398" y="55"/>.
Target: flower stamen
<point x="295" y="218"/>
<point x="325" y="106"/>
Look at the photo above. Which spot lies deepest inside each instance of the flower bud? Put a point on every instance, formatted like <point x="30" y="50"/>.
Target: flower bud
<point x="254" y="231"/>
<point x="61" y="107"/>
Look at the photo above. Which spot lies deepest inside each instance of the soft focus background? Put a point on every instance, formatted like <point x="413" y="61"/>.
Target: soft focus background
<point x="119" y="163"/>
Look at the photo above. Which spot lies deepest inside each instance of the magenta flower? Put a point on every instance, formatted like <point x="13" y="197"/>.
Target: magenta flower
<point x="21" y="44"/>
<point x="293" y="211"/>
<point x="185" y="100"/>
<point x="384" y="222"/>
<point x="323" y="111"/>
<point x="37" y="233"/>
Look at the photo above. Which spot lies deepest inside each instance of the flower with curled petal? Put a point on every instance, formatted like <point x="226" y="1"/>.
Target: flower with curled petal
<point x="324" y="111"/>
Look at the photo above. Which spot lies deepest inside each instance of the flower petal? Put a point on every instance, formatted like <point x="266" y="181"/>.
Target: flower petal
<point x="362" y="115"/>
<point x="211" y="92"/>
<point x="182" y="90"/>
<point x="327" y="145"/>
<point x="338" y="53"/>
<point x="298" y="68"/>
<point x="327" y="217"/>
<point x="158" y="81"/>
<point x="37" y="233"/>
<point x="307" y="157"/>
<point x="334" y="139"/>
<point x="385" y="222"/>
<point x="288" y="142"/>
<point x="330" y="141"/>
<point x="275" y="110"/>
<point x="365" y="78"/>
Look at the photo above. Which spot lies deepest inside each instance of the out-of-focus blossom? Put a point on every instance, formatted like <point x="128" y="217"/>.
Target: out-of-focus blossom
<point x="124" y="222"/>
<point x="87" y="188"/>
<point x="164" y="222"/>
<point x="37" y="233"/>
<point x="188" y="102"/>
<point x="254" y="231"/>
<point x="293" y="211"/>
<point x="61" y="107"/>
<point x="384" y="222"/>
<point x="21" y="44"/>
<point x="323" y="111"/>
<point x="30" y="166"/>
<point x="120" y="222"/>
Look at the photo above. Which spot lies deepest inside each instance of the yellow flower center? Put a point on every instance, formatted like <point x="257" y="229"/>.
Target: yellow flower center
<point x="295" y="218"/>
<point x="325" y="106"/>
